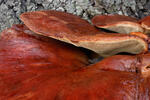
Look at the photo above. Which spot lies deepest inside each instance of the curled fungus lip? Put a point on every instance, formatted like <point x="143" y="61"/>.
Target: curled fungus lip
<point x="145" y="23"/>
<point x="117" y="23"/>
<point x="122" y="24"/>
<point x="74" y="30"/>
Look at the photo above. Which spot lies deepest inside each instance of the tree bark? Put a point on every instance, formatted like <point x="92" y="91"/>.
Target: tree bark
<point x="11" y="9"/>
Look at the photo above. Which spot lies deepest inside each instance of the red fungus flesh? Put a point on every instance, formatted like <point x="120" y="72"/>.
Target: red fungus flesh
<point x="35" y="67"/>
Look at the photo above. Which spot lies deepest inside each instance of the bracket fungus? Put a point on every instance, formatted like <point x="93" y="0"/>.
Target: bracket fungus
<point x="122" y="24"/>
<point x="35" y="65"/>
<point x="117" y="23"/>
<point x="72" y="29"/>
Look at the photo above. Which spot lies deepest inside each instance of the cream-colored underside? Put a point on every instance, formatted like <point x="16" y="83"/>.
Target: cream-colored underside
<point x="124" y="28"/>
<point x="109" y="48"/>
<point x="147" y="29"/>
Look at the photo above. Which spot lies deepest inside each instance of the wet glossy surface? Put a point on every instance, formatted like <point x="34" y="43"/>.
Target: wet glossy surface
<point x="119" y="62"/>
<point x="26" y="58"/>
<point x="34" y="67"/>
<point x="91" y="84"/>
<point x="130" y="63"/>
<point x="21" y="44"/>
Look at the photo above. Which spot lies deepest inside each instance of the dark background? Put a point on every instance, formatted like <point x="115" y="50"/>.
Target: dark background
<point x="11" y="9"/>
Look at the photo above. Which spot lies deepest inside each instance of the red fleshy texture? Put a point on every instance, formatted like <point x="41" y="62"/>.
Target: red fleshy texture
<point x="34" y="67"/>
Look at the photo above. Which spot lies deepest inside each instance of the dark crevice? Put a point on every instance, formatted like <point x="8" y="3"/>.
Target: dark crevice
<point x="105" y="30"/>
<point x="148" y="67"/>
<point x="10" y="7"/>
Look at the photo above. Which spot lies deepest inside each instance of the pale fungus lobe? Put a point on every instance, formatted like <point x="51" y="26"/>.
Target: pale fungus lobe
<point x="117" y="23"/>
<point x="74" y="30"/>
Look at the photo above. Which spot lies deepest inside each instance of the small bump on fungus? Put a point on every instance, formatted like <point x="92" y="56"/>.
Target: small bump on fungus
<point x="145" y="23"/>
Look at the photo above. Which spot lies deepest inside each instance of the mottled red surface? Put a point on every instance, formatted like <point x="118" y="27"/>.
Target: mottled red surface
<point x="103" y="20"/>
<point x="33" y="67"/>
<point x="56" y="23"/>
<point x="28" y="60"/>
<point x="130" y="63"/>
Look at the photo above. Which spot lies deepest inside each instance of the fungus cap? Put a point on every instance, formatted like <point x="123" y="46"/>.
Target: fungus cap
<point x="74" y="30"/>
<point x="117" y="23"/>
